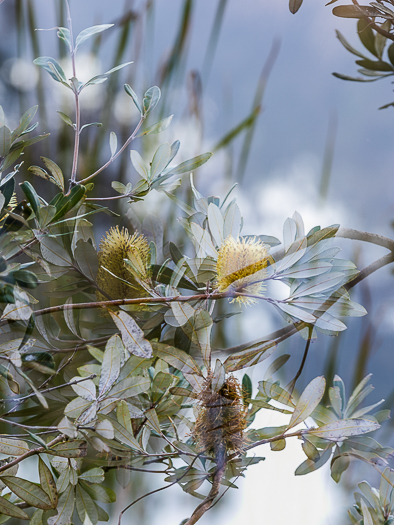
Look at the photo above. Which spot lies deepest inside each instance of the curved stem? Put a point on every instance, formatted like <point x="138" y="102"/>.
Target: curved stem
<point x="373" y="238"/>
<point x="130" y="139"/>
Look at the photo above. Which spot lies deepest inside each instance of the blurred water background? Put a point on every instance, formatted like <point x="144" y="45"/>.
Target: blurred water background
<point x="293" y="137"/>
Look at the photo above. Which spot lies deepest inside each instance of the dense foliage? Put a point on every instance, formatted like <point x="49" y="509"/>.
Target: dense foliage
<point x="106" y="355"/>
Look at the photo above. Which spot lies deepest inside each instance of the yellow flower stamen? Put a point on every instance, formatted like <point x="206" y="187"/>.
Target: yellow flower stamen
<point x="242" y="264"/>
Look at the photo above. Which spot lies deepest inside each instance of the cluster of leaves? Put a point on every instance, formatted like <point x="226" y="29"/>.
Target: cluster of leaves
<point x="374" y="36"/>
<point x="124" y="373"/>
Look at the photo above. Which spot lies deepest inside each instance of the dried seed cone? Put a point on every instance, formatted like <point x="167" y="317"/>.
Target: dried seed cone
<point x="242" y="265"/>
<point x="116" y="246"/>
<point x="220" y="423"/>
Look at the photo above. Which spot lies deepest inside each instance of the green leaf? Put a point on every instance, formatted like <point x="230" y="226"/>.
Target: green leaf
<point x="310" y="466"/>
<point x="13" y="447"/>
<point x="66" y="203"/>
<point x="76" y="448"/>
<point x="240" y="360"/>
<point x="53" y="251"/>
<point x="151" y="99"/>
<point x="5" y="141"/>
<point x="274" y="391"/>
<point x="308" y="401"/>
<point x="343" y="428"/>
<point x="216" y="224"/>
<point x="87" y="260"/>
<point x="132" y="335"/>
<point x="85" y="389"/>
<point x="85" y="505"/>
<point x="375" y="65"/>
<point x="28" y="491"/>
<point x="94" y="475"/>
<point x="367" y="518"/>
<point x="47" y="482"/>
<point x="139" y="164"/>
<point x="53" y="68"/>
<point x="110" y="370"/>
<point x="346" y="44"/>
<point x="160" y="160"/>
<point x="160" y="126"/>
<point x="123" y="415"/>
<point x="247" y="388"/>
<point x="294" y="5"/>
<point x="276" y="446"/>
<point x="129" y="387"/>
<point x="190" y="165"/>
<point x="125" y="437"/>
<point x="31" y="196"/>
<point x="24" y="122"/>
<point x="355" y="11"/>
<point x="130" y="91"/>
<point x="65" y="508"/>
<point x="8" y="509"/>
<point x="100" y="493"/>
<point x="65" y="118"/>
<point x="55" y="171"/>
<point x="89" y="32"/>
<point x="99" y="79"/>
<point x="176" y="358"/>
<point x="113" y="143"/>
<point x="366" y="35"/>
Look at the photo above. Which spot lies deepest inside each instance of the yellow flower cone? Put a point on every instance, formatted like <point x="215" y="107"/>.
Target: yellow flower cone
<point x="242" y="264"/>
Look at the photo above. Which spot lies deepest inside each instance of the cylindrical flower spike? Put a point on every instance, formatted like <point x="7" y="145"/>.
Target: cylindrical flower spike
<point x="242" y="264"/>
<point x="115" y="247"/>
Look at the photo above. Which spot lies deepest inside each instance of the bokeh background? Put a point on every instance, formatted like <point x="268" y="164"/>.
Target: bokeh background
<point x="253" y="83"/>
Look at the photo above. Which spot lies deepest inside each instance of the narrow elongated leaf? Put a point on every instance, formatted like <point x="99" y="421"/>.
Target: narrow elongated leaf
<point x="176" y="358"/>
<point x="139" y="164"/>
<point x="160" y="160"/>
<point x="65" y="508"/>
<point x="216" y="224"/>
<point x="190" y="165"/>
<point x="343" y="428"/>
<point x="70" y="449"/>
<point x="296" y="312"/>
<point x="113" y="143"/>
<point x="5" y="140"/>
<point x="123" y="415"/>
<point x="55" y="171"/>
<point x="53" y="68"/>
<point x="129" y="387"/>
<point x="85" y="505"/>
<point x="240" y="360"/>
<point x="105" y="429"/>
<point x="89" y="32"/>
<point x="132" y="335"/>
<point x="151" y="99"/>
<point x="319" y="284"/>
<point x="47" y="482"/>
<point x="111" y="364"/>
<point x="219" y="375"/>
<point x="13" y="447"/>
<point x="310" y="466"/>
<point x="28" y="491"/>
<point x="160" y="126"/>
<point x="151" y="416"/>
<point x="130" y="91"/>
<point x="308" y="401"/>
<point x="86" y="258"/>
<point x="85" y="389"/>
<point x="355" y="11"/>
<point x="294" y="5"/>
<point x="125" y="437"/>
<point x="10" y="509"/>
<point x="367" y="518"/>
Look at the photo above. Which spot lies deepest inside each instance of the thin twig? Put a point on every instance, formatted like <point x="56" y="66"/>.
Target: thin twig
<point x="130" y="139"/>
<point x="22" y="399"/>
<point x="32" y="452"/>
<point x="154" y="491"/>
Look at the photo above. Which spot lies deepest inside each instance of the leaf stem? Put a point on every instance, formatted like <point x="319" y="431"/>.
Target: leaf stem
<point x="128" y="141"/>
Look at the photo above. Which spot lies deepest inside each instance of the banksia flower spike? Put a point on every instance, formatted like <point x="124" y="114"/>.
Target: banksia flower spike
<point x="220" y="421"/>
<point x="125" y="283"/>
<point x="242" y="264"/>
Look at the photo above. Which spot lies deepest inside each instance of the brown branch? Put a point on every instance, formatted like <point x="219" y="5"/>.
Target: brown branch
<point x="372" y="24"/>
<point x="217" y="479"/>
<point x="32" y="452"/>
<point x="376" y="265"/>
